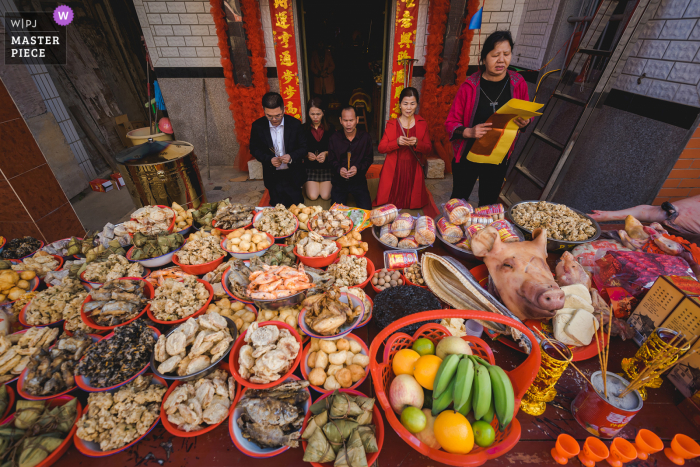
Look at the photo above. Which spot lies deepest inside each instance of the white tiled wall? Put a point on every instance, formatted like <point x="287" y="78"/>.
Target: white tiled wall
<point x="421" y="33"/>
<point x="668" y="53"/>
<point x="179" y="34"/>
<point x="536" y="18"/>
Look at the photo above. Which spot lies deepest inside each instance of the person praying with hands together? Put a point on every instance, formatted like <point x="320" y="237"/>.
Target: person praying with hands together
<point x="351" y="155"/>
<point x="479" y="97"/>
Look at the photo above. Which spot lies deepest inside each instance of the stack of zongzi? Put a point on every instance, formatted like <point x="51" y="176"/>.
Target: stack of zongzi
<point x="153" y="246"/>
<point x="341" y="431"/>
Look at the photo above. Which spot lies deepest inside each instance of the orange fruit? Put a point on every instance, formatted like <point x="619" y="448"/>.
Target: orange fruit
<point x="425" y="370"/>
<point x="453" y="432"/>
<point x="403" y="362"/>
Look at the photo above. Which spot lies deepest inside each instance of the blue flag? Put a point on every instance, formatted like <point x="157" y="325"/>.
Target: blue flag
<point x="475" y="22"/>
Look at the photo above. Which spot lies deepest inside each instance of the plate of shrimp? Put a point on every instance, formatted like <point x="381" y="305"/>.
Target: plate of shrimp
<point x="278" y="286"/>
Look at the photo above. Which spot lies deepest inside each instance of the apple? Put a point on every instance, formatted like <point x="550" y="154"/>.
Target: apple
<point x="404" y="392"/>
<point x="427" y="435"/>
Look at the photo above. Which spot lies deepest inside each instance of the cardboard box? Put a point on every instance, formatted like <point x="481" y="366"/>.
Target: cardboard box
<point x="667" y="294"/>
<point x="101" y="185"/>
<point x="118" y="180"/>
<point x="686" y="375"/>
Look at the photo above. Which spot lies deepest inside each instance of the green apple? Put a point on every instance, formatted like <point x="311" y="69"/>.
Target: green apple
<point x="484" y="434"/>
<point x="413" y="419"/>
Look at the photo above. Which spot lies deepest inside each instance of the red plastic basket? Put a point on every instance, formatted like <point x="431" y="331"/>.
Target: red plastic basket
<point x="382" y="376"/>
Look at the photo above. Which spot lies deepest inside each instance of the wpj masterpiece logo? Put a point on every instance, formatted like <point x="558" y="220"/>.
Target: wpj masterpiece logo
<point x="37" y="35"/>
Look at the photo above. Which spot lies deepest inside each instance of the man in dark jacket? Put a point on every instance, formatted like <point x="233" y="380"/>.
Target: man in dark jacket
<point x="349" y="176"/>
<point x="278" y="142"/>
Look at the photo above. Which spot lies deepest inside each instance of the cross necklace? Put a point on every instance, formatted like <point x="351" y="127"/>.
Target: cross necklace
<point x="494" y="103"/>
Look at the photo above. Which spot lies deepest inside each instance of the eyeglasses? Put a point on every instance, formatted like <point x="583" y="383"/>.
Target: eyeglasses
<point x="274" y="117"/>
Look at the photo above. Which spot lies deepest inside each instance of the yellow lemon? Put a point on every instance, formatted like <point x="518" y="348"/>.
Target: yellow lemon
<point x="425" y="370"/>
<point x="403" y="362"/>
<point x="453" y="432"/>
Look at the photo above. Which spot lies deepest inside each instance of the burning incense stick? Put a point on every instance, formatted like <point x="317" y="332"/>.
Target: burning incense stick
<point x="561" y="353"/>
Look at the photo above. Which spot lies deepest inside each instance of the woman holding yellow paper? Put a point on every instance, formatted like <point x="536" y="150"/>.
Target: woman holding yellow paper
<point x="479" y="97"/>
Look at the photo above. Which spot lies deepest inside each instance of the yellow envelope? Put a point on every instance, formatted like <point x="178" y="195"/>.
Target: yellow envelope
<point x="494" y="145"/>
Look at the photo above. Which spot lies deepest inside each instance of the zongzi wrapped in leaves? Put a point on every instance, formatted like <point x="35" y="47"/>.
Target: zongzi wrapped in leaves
<point x="353" y="454"/>
<point x="344" y="406"/>
<point x="365" y="403"/>
<point x="28" y="412"/>
<point x="321" y="406"/>
<point x="315" y="422"/>
<point x="338" y="431"/>
<point x="63" y="416"/>
<point x="365" y="418"/>
<point x="369" y="440"/>
<point x="37" y="449"/>
<point x="319" y="449"/>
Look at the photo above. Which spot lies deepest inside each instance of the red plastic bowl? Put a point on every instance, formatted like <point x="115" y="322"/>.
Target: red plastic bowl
<point x="305" y="370"/>
<point x="96" y="285"/>
<point x="17" y="376"/>
<point x="376" y="421"/>
<point x="296" y="226"/>
<point x="147" y="291"/>
<point x="368" y="313"/>
<point x="41" y="245"/>
<point x="318" y="262"/>
<point x="10" y="400"/>
<point x="149" y="311"/>
<point x="23" y="377"/>
<point x="233" y="357"/>
<point x="70" y="333"/>
<point x="370" y="271"/>
<point x="352" y="301"/>
<point x="84" y="384"/>
<point x="382" y="376"/>
<point x="199" y="269"/>
<point x="245" y="256"/>
<point x="22" y="319"/>
<point x="91" y="449"/>
<point x="408" y="282"/>
<point x="191" y="434"/>
<point x="172" y="223"/>
<point x="225" y="232"/>
<point x="63" y="447"/>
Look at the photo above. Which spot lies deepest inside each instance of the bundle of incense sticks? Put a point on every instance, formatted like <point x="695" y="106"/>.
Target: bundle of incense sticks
<point x="556" y="347"/>
<point x="662" y="362"/>
<point x="604" y="352"/>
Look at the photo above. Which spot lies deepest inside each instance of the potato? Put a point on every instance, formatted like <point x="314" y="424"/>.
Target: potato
<point x="238" y="321"/>
<point x="342" y="344"/>
<point x="315" y="344"/>
<point x="264" y="244"/>
<point x="236" y="233"/>
<point x="235" y="306"/>
<point x="344" y="378"/>
<point x="235" y="248"/>
<point x="257" y="238"/>
<point x="321" y="360"/>
<point x="333" y="369"/>
<point x="23" y="284"/>
<point x="246" y="237"/>
<point x="213" y="309"/>
<point x="290" y="320"/>
<point x="248" y="316"/>
<point x="244" y="245"/>
<point x="327" y="346"/>
<point x="311" y="360"/>
<point x="362" y="360"/>
<point x="179" y="219"/>
<point x="15" y="293"/>
<point x="331" y="384"/>
<point x="233" y="241"/>
<point x="317" y="377"/>
<point x="355" y="346"/>
<point x="337" y="358"/>
<point x="253" y="248"/>
<point x="357" y="372"/>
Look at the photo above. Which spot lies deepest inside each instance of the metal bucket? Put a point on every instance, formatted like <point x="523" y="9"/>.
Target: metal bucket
<point x="171" y="175"/>
<point x="597" y="415"/>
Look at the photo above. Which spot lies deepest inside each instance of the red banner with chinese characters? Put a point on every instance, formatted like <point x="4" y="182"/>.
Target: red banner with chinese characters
<point x="404" y="47"/>
<point x="286" y="55"/>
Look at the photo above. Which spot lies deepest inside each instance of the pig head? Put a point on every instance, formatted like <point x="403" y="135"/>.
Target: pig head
<point x="520" y="273"/>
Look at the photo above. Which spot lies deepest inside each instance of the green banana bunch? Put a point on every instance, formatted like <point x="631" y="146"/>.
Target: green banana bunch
<point x="443" y="402"/>
<point x="482" y="390"/>
<point x="464" y="380"/>
<point x="445" y="374"/>
<point x="503" y="394"/>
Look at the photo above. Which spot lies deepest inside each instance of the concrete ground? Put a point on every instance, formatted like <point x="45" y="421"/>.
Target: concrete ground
<point x="96" y="209"/>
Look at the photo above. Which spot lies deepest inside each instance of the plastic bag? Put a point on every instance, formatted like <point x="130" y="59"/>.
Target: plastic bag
<point x="359" y="217"/>
<point x="635" y="271"/>
<point x="496" y="211"/>
<point x="450" y="232"/>
<point x="403" y="225"/>
<point x="383" y="215"/>
<point x="425" y="231"/>
<point x="386" y="237"/>
<point x="457" y="211"/>
<point x="507" y="231"/>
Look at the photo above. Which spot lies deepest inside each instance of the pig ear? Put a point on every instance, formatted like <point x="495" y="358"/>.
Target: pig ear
<point x="484" y="241"/>
<point x="539" y="237"/>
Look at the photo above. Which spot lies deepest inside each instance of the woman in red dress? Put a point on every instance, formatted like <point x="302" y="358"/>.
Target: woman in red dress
<point x="406" y="141"/>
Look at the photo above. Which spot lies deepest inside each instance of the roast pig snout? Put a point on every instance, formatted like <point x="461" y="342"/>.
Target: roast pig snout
<point x="551" y="299"/>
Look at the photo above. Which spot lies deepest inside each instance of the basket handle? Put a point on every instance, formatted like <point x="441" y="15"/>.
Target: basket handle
<point x="521" y="377"/>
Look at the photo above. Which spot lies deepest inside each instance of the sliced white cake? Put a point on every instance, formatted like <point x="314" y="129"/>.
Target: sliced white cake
<point x="581" y="327"/>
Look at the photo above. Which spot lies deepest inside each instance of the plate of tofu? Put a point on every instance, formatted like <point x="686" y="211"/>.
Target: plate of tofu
<point x="573" y="325"/>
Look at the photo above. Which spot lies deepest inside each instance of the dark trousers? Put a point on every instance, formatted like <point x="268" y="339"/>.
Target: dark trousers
<point x="342" y="187"/>
<point x="284" y="190"/>
<point x="490" y="176"/>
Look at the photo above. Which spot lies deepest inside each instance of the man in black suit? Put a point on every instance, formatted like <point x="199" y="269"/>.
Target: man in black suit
<point x="278" y="142"/>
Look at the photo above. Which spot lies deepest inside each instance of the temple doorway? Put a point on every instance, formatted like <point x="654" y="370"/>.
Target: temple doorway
<point x="345" y="46"/>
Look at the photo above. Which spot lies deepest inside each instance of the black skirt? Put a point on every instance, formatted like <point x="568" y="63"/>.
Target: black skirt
<point x="319" y="175"/>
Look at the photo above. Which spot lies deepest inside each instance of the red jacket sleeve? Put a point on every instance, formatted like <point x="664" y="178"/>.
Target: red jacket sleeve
<point x="424" y="146"/>
<point x="455" y="118"/>
<point x="389" y="142"/>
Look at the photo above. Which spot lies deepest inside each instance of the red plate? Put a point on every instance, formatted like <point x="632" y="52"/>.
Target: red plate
<point x="194" y="315"/>
<point x="148" y="292"/>
<point x="579" y="353"/>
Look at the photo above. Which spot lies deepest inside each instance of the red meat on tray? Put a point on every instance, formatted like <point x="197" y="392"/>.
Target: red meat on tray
<point x="636" y="271"/>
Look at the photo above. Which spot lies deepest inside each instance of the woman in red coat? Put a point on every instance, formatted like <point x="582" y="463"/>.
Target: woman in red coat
<point x="406" y="141"/>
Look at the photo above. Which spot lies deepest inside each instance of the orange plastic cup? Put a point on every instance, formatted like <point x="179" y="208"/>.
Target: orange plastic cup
<point x="682" y="447"/>
<point x="621" y="452"/>
<point x="647" y="443"/>
<point x="594" y="450"/>
<point x="565" y="448"/>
